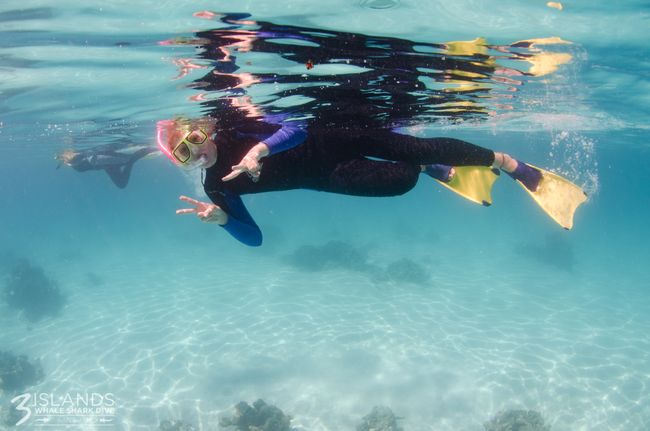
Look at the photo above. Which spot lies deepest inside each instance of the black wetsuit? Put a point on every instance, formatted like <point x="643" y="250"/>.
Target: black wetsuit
<point x="348" y="118"/>
<point x="116" y="164"/>
<point x="330" y="160"/>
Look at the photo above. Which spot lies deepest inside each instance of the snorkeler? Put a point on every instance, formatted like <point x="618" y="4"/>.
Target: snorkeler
<point x="115" y="159"/>
<point x="359" y="162"/>
<point x="344" y="135"/>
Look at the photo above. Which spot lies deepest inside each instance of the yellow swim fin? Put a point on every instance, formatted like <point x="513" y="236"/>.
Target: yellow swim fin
<point x="557" y="196"/>
<point x="473" y="183"/>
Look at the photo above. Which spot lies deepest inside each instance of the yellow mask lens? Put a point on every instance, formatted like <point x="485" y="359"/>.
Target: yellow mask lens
<point x="196" y="137"/>
<point x="182" y="151"/>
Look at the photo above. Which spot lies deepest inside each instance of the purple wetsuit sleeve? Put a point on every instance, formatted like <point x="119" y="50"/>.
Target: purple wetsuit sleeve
<point x="240" y="223"/>
<point x="288" y="136"/>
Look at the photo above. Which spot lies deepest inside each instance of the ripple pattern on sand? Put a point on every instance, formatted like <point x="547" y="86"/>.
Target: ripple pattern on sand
<point x="189" y="344"/>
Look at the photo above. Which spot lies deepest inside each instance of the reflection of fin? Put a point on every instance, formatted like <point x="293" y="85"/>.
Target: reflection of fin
<point x="467" y="47"/>
<point x="532" y="43"/>
<point x="558" y="197"/>
<point x="546" y="63"/>
<point x="473" y="183"/>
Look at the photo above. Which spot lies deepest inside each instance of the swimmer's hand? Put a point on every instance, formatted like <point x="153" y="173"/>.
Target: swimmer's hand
<point x="205" y="211"/>
<point x="250" y="164"/>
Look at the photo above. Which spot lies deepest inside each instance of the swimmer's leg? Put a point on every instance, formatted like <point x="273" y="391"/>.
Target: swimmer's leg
<point x="425" y="151"/>
<point x="437" y="155"/>
<point x="119" y="174"/>
<point x="364" y="177"/>
<point x="461" y="167"/>
<point x="527" y="175"/>
<point x="441" y="158"/>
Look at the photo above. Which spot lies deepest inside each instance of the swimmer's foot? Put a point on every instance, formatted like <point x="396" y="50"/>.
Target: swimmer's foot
<point x="442" y="173"/>
<point x="527" y="175"/>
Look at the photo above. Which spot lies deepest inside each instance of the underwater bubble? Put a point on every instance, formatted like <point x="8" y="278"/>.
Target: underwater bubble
<point x="379" y="4"/>
<point x="574" y="156"/>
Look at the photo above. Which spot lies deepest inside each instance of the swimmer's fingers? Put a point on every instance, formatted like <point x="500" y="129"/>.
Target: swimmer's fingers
<point x="198" y="206"/>
<point x="236" y="171"/>
<point x="205" y="211"/>
<point x="212" y="214"/>
<point x="190" y="200"/>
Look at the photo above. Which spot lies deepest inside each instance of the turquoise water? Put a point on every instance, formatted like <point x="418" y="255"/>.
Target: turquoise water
<point x="444" y="311"/>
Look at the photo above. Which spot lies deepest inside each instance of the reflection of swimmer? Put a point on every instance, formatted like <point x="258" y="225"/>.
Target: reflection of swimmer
<point x="115" y="159"/>
<point x="342" y="137"/>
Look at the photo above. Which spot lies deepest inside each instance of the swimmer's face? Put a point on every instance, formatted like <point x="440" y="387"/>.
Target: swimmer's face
<point x="189" y="146"/>
<point x="195" y="150"/>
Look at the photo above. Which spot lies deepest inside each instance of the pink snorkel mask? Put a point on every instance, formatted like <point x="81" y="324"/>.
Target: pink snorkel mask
<point x="185" y="153"/>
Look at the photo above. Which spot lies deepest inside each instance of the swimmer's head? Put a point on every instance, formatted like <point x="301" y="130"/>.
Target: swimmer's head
<point x="187" y="143"/>
<point x="65" y="157"/>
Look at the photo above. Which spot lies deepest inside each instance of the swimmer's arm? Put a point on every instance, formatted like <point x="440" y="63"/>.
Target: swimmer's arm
<point x="285" y="138"/>
<point x="233" y="216"/>
<point x="248" y="234"/>
<point x="239" y="222"/>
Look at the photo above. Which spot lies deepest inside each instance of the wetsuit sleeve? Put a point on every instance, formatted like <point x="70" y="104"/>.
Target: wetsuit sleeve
<point x="288" y="136"/>
<point x="240" y="223"/>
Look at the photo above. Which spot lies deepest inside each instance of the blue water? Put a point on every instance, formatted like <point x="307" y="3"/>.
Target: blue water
<point x="456" y="312"/>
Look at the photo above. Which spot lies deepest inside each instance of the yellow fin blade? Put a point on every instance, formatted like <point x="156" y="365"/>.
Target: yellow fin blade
<point x="473" y="183"/>
<point x="558" y="197"/>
